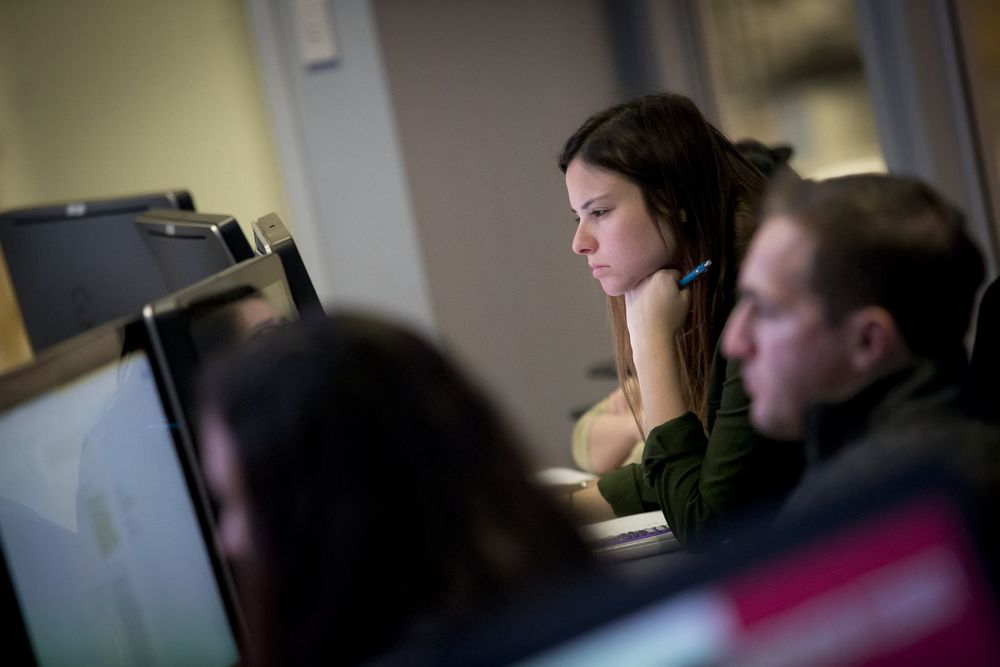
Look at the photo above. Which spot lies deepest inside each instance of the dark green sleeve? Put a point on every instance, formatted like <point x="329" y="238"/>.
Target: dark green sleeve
<point x="700" y="479"/>
<point x="627" y="492"/>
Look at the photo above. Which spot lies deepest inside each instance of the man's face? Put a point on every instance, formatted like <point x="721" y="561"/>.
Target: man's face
<point x="792" y="358"/>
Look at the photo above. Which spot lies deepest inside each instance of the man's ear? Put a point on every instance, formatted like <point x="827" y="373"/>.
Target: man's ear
<point x="875" y="340"/>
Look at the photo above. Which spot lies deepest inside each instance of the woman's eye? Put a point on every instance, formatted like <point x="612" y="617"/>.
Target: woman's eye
<point x="598" y="212"/>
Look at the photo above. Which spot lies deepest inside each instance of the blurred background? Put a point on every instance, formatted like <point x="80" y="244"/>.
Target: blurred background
<point x="410" y="145"/>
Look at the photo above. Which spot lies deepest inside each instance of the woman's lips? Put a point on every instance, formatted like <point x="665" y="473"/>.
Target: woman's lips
<point x="599" y="270"/>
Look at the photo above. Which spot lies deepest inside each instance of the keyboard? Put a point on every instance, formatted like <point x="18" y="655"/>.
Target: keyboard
<point x="624" y="538"/>
<point x="632" y="537"/>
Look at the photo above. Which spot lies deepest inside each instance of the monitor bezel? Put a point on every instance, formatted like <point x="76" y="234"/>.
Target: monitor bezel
<point x="169" y="325"/>
<point x="271" y="236"/>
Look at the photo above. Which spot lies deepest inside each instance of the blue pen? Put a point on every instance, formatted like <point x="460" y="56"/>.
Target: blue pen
<point x="695" y="273"/>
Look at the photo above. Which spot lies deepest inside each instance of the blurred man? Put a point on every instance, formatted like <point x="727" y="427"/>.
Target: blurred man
<point x="856" y="296"/>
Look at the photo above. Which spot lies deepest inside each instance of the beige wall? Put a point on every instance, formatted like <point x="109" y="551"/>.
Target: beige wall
<point x="110" y="97"/>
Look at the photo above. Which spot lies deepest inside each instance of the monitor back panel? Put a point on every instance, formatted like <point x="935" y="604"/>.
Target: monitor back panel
<point x="75" y="266"/>
<point x="188" y="247"/>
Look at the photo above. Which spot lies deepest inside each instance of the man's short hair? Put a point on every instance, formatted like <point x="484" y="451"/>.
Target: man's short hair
<point x="892" y="242"/>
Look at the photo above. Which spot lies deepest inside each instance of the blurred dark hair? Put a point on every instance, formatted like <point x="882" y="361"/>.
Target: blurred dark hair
<point x="888" y="241"/>
<point x="695" y="183"/>
<point x="768" y="159"/>
<point x="384" y="489"/>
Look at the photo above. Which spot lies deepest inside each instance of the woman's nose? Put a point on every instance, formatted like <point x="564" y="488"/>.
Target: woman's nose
<point x="583" y="242"/>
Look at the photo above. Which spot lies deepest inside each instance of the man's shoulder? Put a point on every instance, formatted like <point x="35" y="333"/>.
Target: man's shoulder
<point x="967" y="447"/>
<point x="929" y="429"/>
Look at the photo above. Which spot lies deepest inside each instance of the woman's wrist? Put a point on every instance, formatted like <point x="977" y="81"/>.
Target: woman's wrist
<point x="654" y="350"/>
<point x="659" y="378"/>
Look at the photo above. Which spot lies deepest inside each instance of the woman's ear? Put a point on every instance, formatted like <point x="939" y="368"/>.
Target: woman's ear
<point x="875" y="340"/>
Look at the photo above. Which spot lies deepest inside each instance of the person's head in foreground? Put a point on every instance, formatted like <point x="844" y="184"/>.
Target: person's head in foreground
<point x="367" y="491"/>
<point x="847" y="280"/>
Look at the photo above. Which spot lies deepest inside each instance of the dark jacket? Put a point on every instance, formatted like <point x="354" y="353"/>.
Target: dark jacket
<point x="914" y="415"/>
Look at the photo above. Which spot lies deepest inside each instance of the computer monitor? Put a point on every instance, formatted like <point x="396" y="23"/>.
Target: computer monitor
<point x="212" y="317"/>
<point x="271" y="236"/>
<point x="105" y="536"/>
<point x="76" y="265"/>
<point x="894" y="575"/>
<point x="188" y="246"/>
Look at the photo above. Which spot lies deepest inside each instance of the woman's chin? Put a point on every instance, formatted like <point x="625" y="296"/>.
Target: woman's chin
<point x="613" y="289"/>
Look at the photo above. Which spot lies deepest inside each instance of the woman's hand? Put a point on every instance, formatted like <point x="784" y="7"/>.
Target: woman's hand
<point x="656" y="309"/>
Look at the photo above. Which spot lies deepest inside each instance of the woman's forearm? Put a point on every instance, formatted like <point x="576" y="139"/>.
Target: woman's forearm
<point x="658" y="372"/>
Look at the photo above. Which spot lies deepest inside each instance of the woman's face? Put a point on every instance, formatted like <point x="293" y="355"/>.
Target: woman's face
<point x="615" y="231"/>
<point x="225" y="482"/>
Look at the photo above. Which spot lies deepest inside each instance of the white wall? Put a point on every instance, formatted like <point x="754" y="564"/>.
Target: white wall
<point x="342" y="164"/>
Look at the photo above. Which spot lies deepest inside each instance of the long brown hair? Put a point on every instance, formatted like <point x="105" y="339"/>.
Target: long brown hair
<point x="695" y="183"/>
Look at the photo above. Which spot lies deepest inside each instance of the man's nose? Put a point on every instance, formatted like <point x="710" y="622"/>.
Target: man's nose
<point x="735" y="338"/>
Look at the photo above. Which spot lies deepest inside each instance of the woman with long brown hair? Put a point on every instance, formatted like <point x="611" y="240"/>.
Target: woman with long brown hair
<point x="657" y="190"/>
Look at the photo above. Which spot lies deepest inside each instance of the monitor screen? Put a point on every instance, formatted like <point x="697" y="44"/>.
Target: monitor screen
<point x="103" y="542"/>
<point x="77" y="265"/>
<point x="188" y="247"/>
